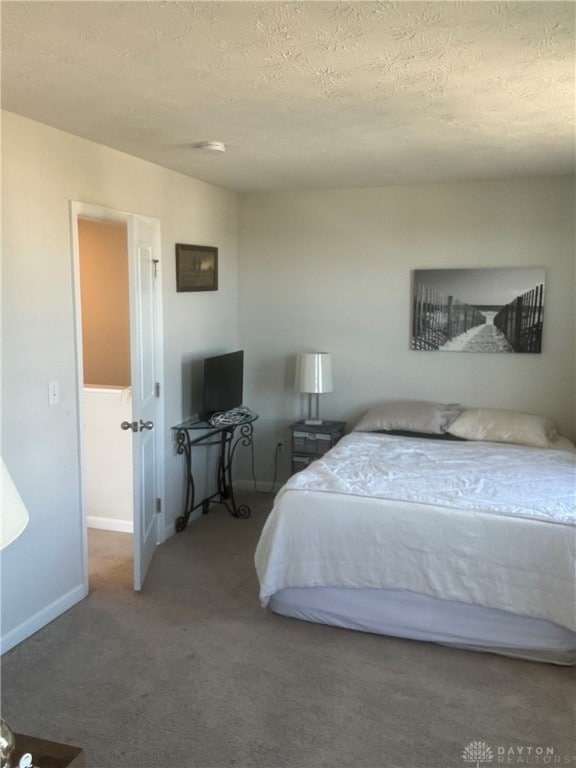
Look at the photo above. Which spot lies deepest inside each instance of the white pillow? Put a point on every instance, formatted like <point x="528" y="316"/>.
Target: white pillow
<point x="505" y="427"/>
<point x="409" y="416"/>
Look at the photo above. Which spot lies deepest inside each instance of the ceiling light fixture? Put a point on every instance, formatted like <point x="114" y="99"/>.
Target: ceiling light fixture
<point x="211" y="146"/>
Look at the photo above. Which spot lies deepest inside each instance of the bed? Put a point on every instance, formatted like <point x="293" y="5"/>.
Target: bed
<point x="464" y="542"/>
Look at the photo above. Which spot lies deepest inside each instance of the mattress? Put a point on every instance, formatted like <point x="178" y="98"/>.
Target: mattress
<point x="480" y="524"/>
<point x="399" y="613"/>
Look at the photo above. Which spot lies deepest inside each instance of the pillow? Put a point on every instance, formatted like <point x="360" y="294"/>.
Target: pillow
<point x="409" y="416"/>
<point x="505" y="427"/>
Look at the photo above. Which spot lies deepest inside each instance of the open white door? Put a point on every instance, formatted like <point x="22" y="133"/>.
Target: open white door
<point x="147" y="424"/>
<point x="143" y="256"/>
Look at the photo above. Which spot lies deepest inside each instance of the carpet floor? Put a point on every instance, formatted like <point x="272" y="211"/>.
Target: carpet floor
<point x="192" y="672"/>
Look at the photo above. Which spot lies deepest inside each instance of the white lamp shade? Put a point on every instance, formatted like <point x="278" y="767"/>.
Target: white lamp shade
<point x="314" y="372"/>
<point x="13" y="515"/>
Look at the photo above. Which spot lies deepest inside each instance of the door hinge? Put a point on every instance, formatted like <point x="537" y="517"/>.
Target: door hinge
<point x="157" y="389"/>
<point x="155" y="262"/>
<point x="158" y="506"/>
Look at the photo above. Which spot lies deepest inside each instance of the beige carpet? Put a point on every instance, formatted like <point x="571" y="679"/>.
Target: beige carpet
<point x="193" y="673"/>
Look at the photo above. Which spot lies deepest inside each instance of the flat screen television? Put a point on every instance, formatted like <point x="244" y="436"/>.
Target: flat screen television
<point x="223" y="383"/>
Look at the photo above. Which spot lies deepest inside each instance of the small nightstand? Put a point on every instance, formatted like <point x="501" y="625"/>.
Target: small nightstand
<point x="310" y="441"/>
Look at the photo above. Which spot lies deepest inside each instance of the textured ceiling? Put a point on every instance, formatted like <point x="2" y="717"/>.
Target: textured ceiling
<point x="304" y="94"/>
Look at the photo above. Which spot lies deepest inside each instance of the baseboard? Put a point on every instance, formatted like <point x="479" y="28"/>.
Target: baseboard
<point x="263" y="486"/>
<point x="110" y="524"/>
<point x="43" y="617"/>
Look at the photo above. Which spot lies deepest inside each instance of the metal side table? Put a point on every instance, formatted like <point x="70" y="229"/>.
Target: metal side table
<point x="189" y="435"/>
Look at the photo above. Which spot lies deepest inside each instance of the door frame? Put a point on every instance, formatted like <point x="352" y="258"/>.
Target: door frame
<point x="101" y="213"/>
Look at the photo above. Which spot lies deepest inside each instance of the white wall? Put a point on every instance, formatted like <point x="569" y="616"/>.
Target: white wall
<point x="330" y="271"/>
<point x="108" y="476"/>
<point x="42" y="170"/>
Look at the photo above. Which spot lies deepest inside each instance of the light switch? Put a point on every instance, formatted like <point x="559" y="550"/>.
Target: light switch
<point x="53" y="393"/>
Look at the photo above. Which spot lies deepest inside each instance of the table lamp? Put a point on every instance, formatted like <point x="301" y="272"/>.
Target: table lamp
<point x="314" y="377"/>
<point x="13" y="520"/>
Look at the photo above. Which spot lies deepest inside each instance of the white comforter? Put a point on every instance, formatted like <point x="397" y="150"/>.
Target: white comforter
<point x="482" y="523"/>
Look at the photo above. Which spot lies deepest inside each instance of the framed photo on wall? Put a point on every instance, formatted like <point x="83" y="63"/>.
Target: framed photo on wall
<point x="478" y="310"/>
<point x="196" y="267"/>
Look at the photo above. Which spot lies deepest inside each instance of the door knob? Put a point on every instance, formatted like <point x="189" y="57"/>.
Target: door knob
<point x="133" y="425"/>
<point x="146" y="425"/>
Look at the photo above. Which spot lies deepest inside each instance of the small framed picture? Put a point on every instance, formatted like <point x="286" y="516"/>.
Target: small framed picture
<point x="196" y="267"/>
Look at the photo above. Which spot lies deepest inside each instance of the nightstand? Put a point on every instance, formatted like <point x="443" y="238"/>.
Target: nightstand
<point x="310" y="441"/>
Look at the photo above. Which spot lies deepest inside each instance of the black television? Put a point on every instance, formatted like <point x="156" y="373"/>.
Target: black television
<point x="223" y="383"/>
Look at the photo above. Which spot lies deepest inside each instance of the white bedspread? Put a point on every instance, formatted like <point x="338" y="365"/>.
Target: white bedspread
<point x="490" y="477"/>
<point x="480" y="523"/>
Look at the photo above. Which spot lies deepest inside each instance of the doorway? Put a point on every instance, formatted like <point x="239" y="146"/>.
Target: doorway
<point x="106" y="400"/>
<point x="106" y="392"/>
<point x="119" y="357"/>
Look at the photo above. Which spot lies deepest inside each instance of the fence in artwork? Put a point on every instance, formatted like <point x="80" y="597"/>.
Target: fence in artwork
<point x="438" y="318"/>
<point x="521" y="320"/>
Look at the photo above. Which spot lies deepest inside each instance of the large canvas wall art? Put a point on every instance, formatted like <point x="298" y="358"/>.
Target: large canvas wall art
<point x="478" y="310"/>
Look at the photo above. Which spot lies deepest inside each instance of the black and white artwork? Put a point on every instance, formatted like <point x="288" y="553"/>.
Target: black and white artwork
<point x="478" y="310"/>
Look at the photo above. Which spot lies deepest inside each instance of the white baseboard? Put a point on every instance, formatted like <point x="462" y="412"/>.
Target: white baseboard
<point x="263" y="486"/>
<point x="43" y="617"/>
<point x="110" y="524"/>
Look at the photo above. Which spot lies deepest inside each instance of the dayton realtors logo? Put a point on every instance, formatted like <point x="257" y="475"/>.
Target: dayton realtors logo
<point x="479" y="753"/>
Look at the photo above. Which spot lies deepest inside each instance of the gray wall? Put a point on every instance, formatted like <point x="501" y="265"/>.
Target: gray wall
<point x="331" y="271"/>
<point x="326" y="271"/>
<point x="42" y="170"/>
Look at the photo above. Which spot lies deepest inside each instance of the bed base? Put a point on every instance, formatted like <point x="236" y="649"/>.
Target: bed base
<point x="400" y="613"/>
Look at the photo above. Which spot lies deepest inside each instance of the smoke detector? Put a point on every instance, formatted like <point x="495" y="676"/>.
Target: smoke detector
<point x="211" y="146"/>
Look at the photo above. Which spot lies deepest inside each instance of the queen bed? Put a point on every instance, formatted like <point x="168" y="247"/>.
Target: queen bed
<point x="465" y="542"/>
